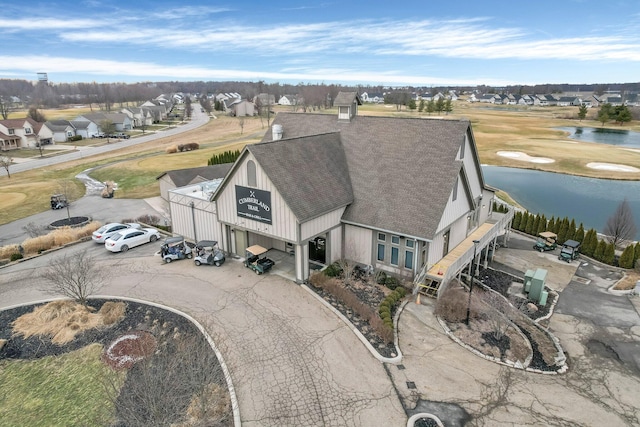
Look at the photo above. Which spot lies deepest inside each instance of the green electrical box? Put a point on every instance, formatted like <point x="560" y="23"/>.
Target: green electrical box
<point x="534" y="285"/>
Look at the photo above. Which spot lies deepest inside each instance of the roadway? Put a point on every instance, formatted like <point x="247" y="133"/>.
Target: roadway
<point x="198" y="118"/>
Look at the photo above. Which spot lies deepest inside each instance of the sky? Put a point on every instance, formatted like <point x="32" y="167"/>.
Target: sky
<point x="403" y="43"/>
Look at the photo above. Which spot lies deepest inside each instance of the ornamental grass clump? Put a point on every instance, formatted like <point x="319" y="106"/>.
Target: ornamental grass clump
<point x="7" y="252"/>
<point x="58" y="237"/>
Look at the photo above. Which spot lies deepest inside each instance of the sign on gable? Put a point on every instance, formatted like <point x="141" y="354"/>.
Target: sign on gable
<point x="253" y="204"/>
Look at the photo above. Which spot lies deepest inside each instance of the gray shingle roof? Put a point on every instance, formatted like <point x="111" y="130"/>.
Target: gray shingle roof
<point x="402" y="171"/>
<point x="182" y="177"/>
<point x="318" y="167"/>
<point x="346" y="99"/>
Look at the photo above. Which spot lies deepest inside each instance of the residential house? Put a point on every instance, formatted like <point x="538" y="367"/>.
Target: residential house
<point x="264" y="99"/>
<point x="240" y="107"/>
<point x="61" y="130"/>
<point x="121" y="121"/>
<point x="19" y="133"/>
<point x="568" y="101"/>
<point x="288" y="100"/>
<point x="139" y="116"/>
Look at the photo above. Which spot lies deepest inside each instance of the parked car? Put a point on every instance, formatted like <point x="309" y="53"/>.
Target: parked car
<point x="126" y="239"/>
<point x="98" y="135"/>
<point x="108" y="230"/>
<point x="121" y="135"/>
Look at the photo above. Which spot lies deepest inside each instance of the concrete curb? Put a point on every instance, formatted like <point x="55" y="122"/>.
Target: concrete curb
<point x="365" y="341"/>
<point x="411" y="421"/>
<point x="227" y="375"/>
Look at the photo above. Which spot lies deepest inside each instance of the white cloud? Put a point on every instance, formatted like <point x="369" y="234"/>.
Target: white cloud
<point x="148" y="70"/>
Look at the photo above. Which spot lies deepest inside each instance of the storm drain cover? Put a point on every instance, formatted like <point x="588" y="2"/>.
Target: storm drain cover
<point x="581" y="280"/>
<point x="400" y="367"/>
<point x="411" y="385"/>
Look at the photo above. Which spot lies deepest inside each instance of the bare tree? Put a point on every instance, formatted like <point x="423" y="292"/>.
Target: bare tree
<point x="183" y="383"/>
<point x="5" y="162"/>
<point x="241" y="124"/>
<point x="620" y="226"/>
<point x="75" y="276"/>
<point x="108" y="128"/>
<point x="36" y="114"/>
<point x="5" y="107"/>
<point x="70" y="190"/>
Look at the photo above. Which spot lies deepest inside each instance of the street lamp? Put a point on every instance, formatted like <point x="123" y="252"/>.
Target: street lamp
<point x="473" y="275"/>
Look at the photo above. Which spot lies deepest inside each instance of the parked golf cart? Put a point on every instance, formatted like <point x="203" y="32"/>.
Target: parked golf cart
<point x="175" y="248"/>
<point x="207" y="252"/>
<point x="59" y="201"/>
<point x="570" y="251"/>
<point x="254" y="262"/>
<point x="546" y="241"/>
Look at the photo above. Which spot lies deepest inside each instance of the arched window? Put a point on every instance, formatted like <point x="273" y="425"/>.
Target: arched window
<point x="251" y="173"/>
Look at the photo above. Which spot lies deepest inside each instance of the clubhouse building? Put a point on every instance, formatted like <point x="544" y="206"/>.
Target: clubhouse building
<point x="403" y="195"/>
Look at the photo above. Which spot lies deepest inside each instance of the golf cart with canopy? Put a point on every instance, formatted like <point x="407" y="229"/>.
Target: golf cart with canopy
<point x="59" y="201"/>
<point x="207" y="252"/>
<point x="175" y="248"/>
<point x="546" y="241"/>
<point x="254" y="262"/>
<point x="570" y="251"/>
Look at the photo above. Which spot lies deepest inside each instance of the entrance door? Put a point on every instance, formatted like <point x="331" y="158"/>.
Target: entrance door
<point x="241" y="242"/>
<point x="445" y="243"/>
<point x="318" y="249"/>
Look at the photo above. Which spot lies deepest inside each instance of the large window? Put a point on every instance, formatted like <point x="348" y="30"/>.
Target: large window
<point x="394" y="255"/>
<point x="402" y="250"/>
<point x="408" y="260"/>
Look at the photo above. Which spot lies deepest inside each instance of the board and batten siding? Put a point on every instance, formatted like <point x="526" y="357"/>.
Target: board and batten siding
<point x="455" y="208"/>
<point x="321" y="224"/>
<point x="284" y="222"/>
<point x="207" y="226"/>
<point x="358" y="244"/>
<point x="335" y="245"/>
<point x="470" y="165"/>
<point x="457" y="233"/>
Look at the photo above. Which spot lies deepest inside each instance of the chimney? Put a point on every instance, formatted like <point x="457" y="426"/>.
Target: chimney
<point x="276" y="132"/>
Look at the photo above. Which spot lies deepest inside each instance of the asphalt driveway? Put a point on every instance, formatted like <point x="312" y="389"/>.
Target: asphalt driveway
<point x="293" y="362"/>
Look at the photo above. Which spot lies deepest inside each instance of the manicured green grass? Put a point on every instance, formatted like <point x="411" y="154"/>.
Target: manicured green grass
<point x="66" y="390"/>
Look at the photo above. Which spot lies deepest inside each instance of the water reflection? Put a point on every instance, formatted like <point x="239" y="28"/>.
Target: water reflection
<point x="588" y="200"/>
<point x="620" y="137"/>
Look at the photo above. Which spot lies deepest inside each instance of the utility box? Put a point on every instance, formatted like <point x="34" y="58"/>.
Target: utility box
<point x="534" y="285"/>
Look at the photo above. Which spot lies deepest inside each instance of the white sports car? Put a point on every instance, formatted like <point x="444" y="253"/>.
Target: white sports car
<point x="123" y="240"/>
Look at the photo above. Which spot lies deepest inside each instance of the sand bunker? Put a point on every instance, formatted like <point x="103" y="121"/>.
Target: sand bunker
<point x="518" y="155"/>
<point x="612" y="167"/>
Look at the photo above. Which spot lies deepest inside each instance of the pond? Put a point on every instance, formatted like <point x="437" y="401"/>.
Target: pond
<point x="588" y="200"/>
<point x="619" y="137"/>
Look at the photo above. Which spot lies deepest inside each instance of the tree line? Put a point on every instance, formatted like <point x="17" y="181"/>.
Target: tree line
<point x="619" y="231"/>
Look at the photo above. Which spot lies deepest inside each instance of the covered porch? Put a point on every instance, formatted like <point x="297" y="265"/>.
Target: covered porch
<point x="433" y="279"/>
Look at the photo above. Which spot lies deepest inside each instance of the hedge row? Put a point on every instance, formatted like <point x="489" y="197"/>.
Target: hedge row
<point x="591" y="246"/>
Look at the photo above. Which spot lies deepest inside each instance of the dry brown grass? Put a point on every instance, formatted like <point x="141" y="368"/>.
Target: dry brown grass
<point x="7" y="251"/>
<point x="171" y="149"/>
<point x="59" y="237"/>
<point x="628" y="281"/>
<point x="63" y="320"/>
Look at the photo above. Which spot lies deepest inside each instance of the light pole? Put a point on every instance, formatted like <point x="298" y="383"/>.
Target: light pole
<point x="473" y="275"/>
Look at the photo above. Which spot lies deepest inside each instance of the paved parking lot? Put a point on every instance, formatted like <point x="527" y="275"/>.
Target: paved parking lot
<point x="295" y="363"/>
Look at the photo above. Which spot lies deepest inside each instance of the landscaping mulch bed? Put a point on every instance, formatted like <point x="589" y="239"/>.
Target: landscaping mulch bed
<point x="145" y="333"/>
<point x="371" y="294"/>
<point x="543" y="347"/>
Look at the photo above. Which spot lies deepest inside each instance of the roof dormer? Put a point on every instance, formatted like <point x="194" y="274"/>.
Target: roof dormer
<point x="347" y="103"/>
